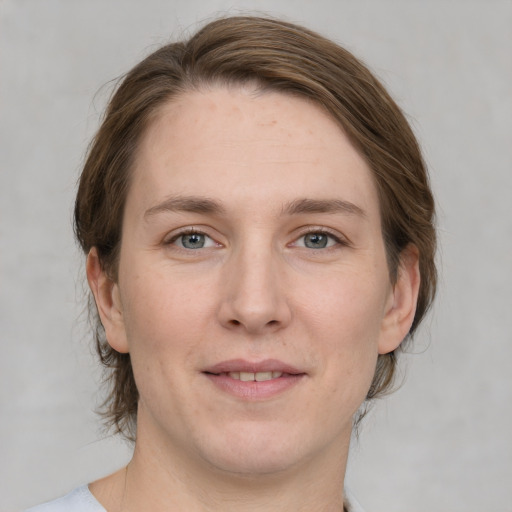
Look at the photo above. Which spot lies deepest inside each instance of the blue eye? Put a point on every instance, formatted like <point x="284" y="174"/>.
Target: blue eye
<point x="317" y="240"/>
<point x="193" y="240"/>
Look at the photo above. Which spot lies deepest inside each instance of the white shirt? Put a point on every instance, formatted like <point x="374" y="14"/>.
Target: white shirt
<point x="81" y="500"/>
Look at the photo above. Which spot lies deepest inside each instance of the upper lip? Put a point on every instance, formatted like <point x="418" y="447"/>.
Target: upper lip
<point x="242" y="365"/>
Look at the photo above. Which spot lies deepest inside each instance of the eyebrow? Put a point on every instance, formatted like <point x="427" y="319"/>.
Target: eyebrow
<point x="323" y="206"/>
<point x="205" y="205"/>
<point x="192" y="204"/>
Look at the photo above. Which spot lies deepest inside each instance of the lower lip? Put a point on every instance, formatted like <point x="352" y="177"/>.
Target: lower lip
<point x="253" y="390"/>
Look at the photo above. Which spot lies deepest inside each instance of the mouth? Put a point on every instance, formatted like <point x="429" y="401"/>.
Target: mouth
<point x="252" y="376"/>
<point x="254" y="381"/>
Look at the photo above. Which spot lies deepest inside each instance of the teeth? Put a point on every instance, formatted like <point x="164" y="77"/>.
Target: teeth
<point x="262" y="376"/>
<point x="258" y="376"/>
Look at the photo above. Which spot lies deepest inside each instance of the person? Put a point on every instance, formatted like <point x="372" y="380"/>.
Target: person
<point x="259" y="232"/>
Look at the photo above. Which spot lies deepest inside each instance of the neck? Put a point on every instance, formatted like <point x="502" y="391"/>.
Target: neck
<point x="160" y="480"/>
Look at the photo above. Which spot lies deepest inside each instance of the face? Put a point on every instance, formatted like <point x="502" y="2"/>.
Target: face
<point x="253" y="292"/>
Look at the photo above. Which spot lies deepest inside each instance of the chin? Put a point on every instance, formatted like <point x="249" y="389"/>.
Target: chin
<point x="257" y="451"/>
<point x="253" y="464"/>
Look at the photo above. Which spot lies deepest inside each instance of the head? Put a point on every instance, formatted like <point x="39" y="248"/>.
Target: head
<point x="266" y="56"/>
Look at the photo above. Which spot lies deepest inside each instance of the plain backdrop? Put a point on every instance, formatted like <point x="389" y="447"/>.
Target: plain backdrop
<point x="441" y="443"/>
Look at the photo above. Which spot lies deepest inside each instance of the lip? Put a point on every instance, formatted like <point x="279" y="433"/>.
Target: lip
<point x="253" y="390"/>
<point x="242" y="365"/>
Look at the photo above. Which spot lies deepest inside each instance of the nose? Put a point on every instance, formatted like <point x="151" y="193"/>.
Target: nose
<point x="253" y="293"/>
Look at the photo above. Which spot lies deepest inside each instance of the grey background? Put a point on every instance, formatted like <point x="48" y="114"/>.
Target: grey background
<point x="443" y="442"/>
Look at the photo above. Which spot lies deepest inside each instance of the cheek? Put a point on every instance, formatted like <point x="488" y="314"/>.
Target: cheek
<point x="162" y="327"/>
<point x="162" y="316"/>
<point x="350" y="304"/>
<point x="344" y="317"/>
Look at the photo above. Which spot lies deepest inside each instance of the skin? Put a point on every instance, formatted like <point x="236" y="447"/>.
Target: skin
<point x="254" y="291"/>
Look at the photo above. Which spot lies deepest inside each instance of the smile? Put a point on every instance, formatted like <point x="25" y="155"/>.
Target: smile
<point x="254" y="381"/>
<point x="250" y="376"/>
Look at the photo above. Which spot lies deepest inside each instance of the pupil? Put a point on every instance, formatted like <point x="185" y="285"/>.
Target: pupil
<point x="193" y="241"/>
<point x="316" y="241"/>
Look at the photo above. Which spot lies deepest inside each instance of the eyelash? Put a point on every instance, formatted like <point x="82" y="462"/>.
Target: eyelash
<point x="340" y="241"/>
<point x="310" y="231"/>
<point x="186" y="232"/>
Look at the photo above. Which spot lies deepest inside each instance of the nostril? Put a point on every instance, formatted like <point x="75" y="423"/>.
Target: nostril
<point x="234" y="322"/>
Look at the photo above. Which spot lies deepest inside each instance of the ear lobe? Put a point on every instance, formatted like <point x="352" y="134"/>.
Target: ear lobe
<point x="404" y="297"/>
<point x="108" y="302"/>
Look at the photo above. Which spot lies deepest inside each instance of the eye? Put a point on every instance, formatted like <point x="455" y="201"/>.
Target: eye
<point x="317" y="240"/>
<point x="192" y="240"/>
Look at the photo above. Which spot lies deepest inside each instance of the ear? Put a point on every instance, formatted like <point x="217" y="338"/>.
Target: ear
<point x="108" y="302"/>
<point x="401" y="306"/>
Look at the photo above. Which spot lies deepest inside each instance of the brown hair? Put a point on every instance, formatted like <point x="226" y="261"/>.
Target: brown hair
<point x="276" y="56"/>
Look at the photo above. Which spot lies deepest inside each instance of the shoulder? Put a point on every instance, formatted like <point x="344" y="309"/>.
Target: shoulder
<point x="352" y="503"/>
<point x="79" y="500"/>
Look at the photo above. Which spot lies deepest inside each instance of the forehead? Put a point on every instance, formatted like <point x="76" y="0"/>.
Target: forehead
<point x="240" y="145"/>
